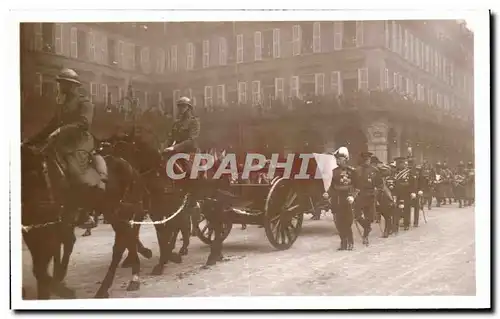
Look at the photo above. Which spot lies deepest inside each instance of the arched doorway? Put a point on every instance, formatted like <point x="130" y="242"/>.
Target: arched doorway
<point x="354" y="139"/>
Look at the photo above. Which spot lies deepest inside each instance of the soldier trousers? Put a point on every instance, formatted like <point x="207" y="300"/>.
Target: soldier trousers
<point x="343" y="220"/>
<point x="364" y="211"/>
<point x="406" y="211"/>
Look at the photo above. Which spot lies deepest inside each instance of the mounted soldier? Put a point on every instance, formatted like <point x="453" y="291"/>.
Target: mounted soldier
<point x="68" y="134"/>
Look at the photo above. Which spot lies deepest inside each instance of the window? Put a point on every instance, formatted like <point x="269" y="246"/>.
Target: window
<point x="94" y="92"/>
<point x="446" y="103"/>
<point x="176" y="94"/>
<point x="173" y="58"/>
<point x="38" y="87"/>
<point x="407" y="45"/>
<point x="145" y="59"/>
<point x="257" y="41"/>
<point x="439" y="99"/>
<point x="208" y="96"/>
<point x="422" y="55"/>
<point x="359" y="33"/>
<point x="189" y="56"/>
<point x="400" y="83"/>
<point x="222" y="51"/>
<point x="430" y="97"/>
<point x="91" y="42"/>
<point x="452" y="74"/>
<point x="279" y="88"/>
<point x="317" y="37"/>
<point x="276" y="43"/>
<point x="337" y="35"/>
<point x="74" y="42"/>
<point x="363" y="79"/>
<point x="395" y="44"/>
<point x="160" y="61"/>
<point x="221" y="95"/>
<point x="160" y="101"/>
<point x="103" y="49"/>
<point x="38" y="36"/>
<point x="59" y="39"/>
<point x="400" y="39"/>
<point x="206" y="53"/>
<point x="427" y="58"/>
<point x="336" y="83"/>
<point x="417" y="52"/>
<point x="296" y="37"/>
<point x="436" y="63"/>
<point x="386" y="79"/>
<point x="412" y="48"/>
<point x="255" y="92"/>
<point x="239" y="48"/>
<point x="395" y="81"/>
<point x="319" y="84"/>
<point x="387" y="30"/>
<point x="103" y="94"/>
<point x="121" y="54"/>
<point x="294" y="86"/>
<point x="242" y="92"/>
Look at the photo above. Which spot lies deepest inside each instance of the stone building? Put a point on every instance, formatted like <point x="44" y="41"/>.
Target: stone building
<point x="250" y="64"/>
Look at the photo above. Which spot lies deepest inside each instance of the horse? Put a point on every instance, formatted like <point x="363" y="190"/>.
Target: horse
<point x="163" y="197"/>
<point x="44" y="232"/>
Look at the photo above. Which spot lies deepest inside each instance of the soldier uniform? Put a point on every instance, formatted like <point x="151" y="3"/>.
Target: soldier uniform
<point x="427" y="184"/>
<point x="384" y="196"/>
<point x="439" y="185"/>
<point x="368" y="180"/>
<point x="447" y="183"/>
<point x="417" y="182"/>
<point x="68" y="132"/>
<point x="469" y="185"/>
<point x="342" y="194"/>
<point x="404" y="187"/>
<point x="459" y="182"/>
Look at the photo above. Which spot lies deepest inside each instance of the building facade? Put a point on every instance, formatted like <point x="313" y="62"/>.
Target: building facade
<point x="226" y="64"/>
<point x="110" y="58"/>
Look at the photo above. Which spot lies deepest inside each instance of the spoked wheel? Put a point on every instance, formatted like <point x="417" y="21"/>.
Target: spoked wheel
<point x="206" y="233"/>
<point x="283" y="215"/>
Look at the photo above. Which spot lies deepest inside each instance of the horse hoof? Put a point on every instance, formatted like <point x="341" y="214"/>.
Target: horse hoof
<point x="175" y="258"/>
<point x="183" y="251"/>
<point x="146" y="253"/>
<point x="133" y="285"/>
<point x="61" y="290"/>
<point x="157" y="270"/>
<point x="101" y="295"/>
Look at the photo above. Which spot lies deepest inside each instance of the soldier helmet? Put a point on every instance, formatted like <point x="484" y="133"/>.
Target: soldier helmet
<point x="68" y="75"/>
<point x="184" y="101"/>
<point x="342" y="152"/>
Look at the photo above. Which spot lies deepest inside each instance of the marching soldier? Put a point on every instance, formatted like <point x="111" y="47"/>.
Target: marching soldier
<point x="404" y="193"/>
<point x="427" y="184"/>
<point x="469" y="185"/>
<point x="342" y="195"/>
<point x="459" y="183"/>
<point x="384" y="196"/>
<point x="439" y="185"/>
<point x="68" y="134"/>
<point x="417" y="182"/>
<point x="368" y="180"/>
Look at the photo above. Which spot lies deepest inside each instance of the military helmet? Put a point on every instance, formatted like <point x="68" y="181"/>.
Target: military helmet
<point x="184" y="101"/>
<point x="68" y="75"/>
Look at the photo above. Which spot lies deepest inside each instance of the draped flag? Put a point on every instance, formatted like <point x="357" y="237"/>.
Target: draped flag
<point x="326" y="164"/>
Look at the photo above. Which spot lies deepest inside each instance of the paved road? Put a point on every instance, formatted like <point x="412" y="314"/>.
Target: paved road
<point x="438" y="258"/>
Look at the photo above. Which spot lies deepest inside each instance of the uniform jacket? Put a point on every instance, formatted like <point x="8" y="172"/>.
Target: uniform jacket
<point x="343" y="181"/>
<point x="75" y="114"/>
<point x="185" y="133"/>
<point x="368" y="179"/>
<point x="405" y="182"/>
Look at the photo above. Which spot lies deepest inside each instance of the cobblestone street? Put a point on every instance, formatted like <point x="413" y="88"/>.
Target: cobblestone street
<point x="438" y="258"/>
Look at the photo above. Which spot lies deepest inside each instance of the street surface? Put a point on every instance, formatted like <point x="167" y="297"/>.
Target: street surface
<point x="437" y="258"/>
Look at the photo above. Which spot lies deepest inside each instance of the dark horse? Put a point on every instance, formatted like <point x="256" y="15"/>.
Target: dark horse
<point x="48" y="201"/>
<point x="166" y="201"/>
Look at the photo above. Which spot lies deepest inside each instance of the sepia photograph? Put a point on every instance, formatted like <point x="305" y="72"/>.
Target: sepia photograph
<point x="280" y="154"/>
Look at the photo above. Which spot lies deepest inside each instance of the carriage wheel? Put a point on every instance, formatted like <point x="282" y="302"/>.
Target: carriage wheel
<point x="283" y="216"/>
<point x="206" y="233"/>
